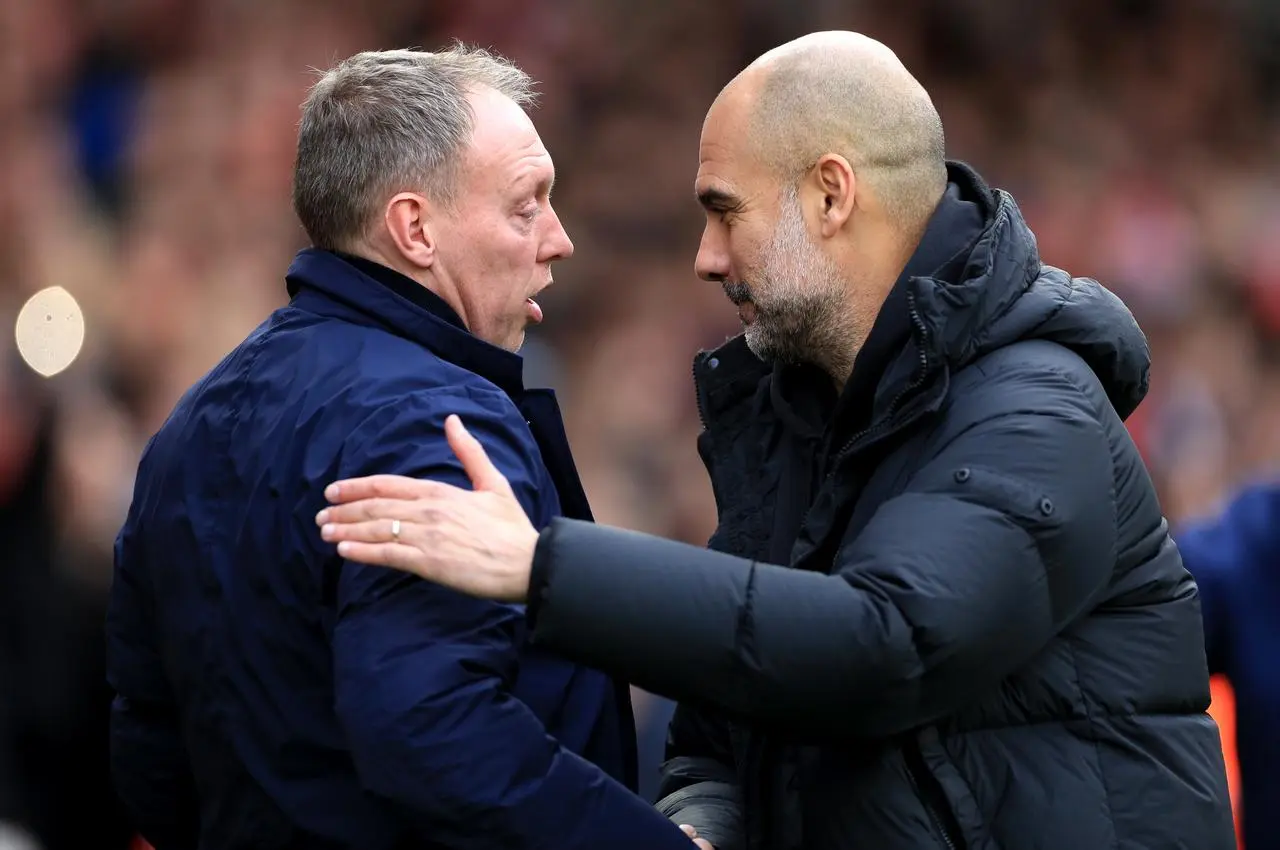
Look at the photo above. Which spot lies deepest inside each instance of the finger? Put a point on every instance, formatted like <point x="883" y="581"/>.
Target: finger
<point x="373" y="486"/>
<point x="420" y="509"/>
<point x="702" y="844"/>
<point x="688" y="830"/>
<point x="370" y="531"/>
<point x="475" y="461"/>
<point x="394" y="555"/>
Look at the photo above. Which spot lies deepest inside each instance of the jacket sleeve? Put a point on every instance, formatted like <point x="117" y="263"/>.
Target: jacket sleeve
<point x="423" y="676"/>
<point x="1218" y="550"/>
<point x="699" y="782"/>
<point x="149" y="765"/>
<point x="1000" y="539"/>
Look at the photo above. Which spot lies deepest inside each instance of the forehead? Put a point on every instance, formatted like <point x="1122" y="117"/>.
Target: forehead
<point x="726" y="161"/>
<point x="505" y="146"/>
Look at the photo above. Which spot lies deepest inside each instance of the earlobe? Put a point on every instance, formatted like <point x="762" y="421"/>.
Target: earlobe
<point x="408" y="221"/>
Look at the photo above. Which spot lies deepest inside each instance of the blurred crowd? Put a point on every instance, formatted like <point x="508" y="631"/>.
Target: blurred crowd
<point x="145" y="157"/>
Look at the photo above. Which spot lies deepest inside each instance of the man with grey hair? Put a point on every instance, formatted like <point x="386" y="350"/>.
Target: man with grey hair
<point x="943" y="608"/>
<point x="270" y="694"/>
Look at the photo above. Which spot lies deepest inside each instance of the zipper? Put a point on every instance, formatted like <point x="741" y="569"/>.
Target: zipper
<point x="697" y="395"/>
<point x="916" y="382"/>
<point x="928" y="794"/>
<point x="937" y="823"/>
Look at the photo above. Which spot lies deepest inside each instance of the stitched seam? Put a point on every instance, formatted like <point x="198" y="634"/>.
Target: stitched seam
<point x="744" y="656"/>
<point x="960" y="731"/>
<point x="1097" y="747"/>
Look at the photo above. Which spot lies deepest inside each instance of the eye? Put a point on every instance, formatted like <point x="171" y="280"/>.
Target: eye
<point x="530" y="211"/>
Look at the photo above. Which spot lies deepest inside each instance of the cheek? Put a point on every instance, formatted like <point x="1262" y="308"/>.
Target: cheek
<point x="500" y="251"/>
<point x="515" y="249"/>
<point x="747" y="252"/>
<point x="506" y="274"/>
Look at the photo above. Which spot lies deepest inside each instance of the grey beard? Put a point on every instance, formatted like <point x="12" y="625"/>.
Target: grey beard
<point x="805" y="333"/>
<point x="737" y="291"/>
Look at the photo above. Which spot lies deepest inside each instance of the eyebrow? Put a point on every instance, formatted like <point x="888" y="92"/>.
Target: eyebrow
<point x="718" y="200"/>
<point x="539" y="184"/>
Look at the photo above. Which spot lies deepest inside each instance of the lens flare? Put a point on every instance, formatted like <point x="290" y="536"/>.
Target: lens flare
<point x="50" y="331"/>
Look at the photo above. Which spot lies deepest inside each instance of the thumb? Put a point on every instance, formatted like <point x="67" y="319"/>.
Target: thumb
<point x="475" y="462"/>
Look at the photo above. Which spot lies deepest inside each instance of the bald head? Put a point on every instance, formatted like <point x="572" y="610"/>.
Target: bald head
<point x="844" y="93"/>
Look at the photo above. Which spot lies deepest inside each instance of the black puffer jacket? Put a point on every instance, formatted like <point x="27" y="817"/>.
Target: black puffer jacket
<point x="984" y="637"/>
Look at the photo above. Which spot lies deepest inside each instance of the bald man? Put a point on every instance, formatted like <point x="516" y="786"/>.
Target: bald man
<point x="941" y="608"/>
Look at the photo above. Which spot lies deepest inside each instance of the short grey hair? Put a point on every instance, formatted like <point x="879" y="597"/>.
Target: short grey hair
<point x="389" y="121"/>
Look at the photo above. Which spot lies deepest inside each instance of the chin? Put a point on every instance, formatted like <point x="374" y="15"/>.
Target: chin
<point x="758" y="343"/>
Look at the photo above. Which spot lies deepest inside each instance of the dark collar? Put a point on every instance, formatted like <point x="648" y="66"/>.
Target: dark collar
<point x="367" y="293"/>
<point x="956" y="224"/>
<point x="407" y="288"/>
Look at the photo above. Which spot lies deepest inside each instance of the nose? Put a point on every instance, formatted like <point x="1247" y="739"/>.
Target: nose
<point x="712" y="262"/>
<point x="557" y="245"/>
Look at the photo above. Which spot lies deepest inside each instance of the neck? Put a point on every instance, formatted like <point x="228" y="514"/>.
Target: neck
<point x="851" y="325"/>
<point x="840" y="365"/>
<point x="423" y="277"/>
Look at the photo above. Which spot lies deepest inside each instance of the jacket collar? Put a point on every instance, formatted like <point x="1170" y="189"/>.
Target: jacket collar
<point x="328" y="284"/>
<point x="956" y="225"/>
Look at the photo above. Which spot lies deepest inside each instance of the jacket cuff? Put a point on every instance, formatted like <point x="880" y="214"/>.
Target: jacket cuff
<point x="539" y="578"/>
<point x="714" y="809"/>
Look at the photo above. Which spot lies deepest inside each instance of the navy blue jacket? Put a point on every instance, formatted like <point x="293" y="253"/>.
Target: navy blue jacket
<point x="1235" y="559"/>
<point x="271" y="695"/>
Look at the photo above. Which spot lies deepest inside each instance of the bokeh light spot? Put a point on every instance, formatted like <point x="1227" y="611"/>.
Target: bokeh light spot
<point x="50" y="331"/>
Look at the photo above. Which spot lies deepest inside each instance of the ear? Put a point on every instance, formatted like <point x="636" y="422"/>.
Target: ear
<point x="835" y="186"/>
<point x="408" y="220"/>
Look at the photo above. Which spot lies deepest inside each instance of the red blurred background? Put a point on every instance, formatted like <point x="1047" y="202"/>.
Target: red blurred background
<point x="145" y="156"/>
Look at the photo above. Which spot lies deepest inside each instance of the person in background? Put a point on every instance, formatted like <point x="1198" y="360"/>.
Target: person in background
<point x="270" y="694"/>
<point x="54" y="702"/>
<point x="1235" y="558"/>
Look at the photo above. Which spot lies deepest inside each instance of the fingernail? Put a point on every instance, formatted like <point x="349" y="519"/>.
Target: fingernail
<point x="327" y="531"/>
<point x="322" y="517"/>
<point x="332" y="492"/>
<point x="344" y="548"/>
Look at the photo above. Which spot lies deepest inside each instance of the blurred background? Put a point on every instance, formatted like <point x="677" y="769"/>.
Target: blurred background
<point x="145" y="157"/>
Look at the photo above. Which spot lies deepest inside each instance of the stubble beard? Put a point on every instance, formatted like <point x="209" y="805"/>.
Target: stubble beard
<point x="803" y="317"/>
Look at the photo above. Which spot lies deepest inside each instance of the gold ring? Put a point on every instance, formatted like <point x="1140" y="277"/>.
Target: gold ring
<point x="395" y="530"/>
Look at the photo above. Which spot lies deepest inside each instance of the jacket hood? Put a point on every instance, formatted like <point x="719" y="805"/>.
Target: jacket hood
<point x="1004" y="294"/>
